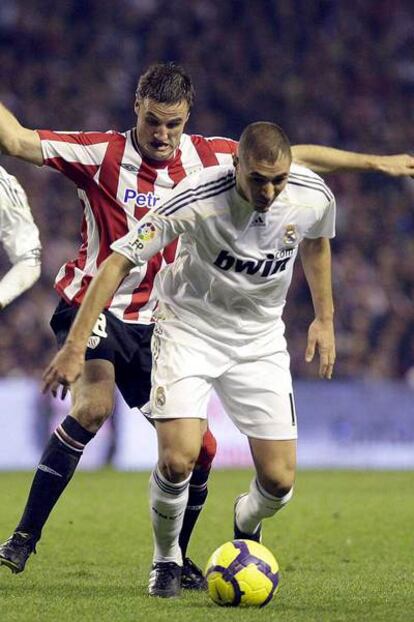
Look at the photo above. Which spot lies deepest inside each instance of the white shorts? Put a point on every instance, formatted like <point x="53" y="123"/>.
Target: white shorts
<point x="252" y="381"/>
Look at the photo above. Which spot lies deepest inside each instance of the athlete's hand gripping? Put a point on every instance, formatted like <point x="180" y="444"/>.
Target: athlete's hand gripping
<point x="321" y="337"/>
<point x="65" y="369"/>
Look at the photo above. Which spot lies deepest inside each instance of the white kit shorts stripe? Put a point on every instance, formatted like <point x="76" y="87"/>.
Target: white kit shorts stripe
<point x="255" y="389"/>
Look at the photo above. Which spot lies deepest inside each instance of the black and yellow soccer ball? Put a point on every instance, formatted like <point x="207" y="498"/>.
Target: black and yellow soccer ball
<point x="242" y="573"/>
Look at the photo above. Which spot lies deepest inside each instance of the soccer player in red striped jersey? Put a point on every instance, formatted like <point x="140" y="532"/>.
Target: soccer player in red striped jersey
<point x="119" y="177"/>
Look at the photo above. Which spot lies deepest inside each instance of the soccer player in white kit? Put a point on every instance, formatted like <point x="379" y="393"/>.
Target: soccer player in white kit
<point x="20" y="239"/>
<point x="219" y="324"/>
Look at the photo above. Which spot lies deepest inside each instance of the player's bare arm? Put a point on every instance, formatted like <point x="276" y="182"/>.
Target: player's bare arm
<point x="67" y="365"/>
<point x="324" y="160"/>
<point x="18" y="141"/>
<point x="316" y="261"/>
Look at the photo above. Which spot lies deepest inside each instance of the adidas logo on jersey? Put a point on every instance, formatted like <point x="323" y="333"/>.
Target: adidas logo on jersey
<point x="273" y="263"/>
<point x="258" y="221"/>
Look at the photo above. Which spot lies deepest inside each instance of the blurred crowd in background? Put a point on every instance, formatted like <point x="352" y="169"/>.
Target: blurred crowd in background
<point x="334" y="73"/>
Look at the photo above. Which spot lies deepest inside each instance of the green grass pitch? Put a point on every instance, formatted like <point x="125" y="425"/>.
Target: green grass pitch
<point x="345" y="546"/>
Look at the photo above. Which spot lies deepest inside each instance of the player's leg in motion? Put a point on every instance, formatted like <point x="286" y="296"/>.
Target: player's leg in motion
<point x="92" y="399"/>
<point x="270" y="490"/>
<point x="192" y="576"/>
<point x="179" y="442"/>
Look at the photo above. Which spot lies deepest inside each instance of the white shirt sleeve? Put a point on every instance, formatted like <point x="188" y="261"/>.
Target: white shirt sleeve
<point x="325" y="225"/>
<point x="20" y="277"/>
<point x="18" y="232"/>
<point x="20" y="238"/>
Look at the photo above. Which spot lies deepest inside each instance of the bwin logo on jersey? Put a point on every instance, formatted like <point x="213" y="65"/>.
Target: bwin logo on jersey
<point x="273" y="263"/>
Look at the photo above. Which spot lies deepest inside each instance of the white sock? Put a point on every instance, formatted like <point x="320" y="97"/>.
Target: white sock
<point x="168" y="502"/>
<point x="258" y="504"/>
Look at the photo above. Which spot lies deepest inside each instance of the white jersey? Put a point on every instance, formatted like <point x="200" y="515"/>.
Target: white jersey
<point x="18" y="232"/>
<point x="235" y="265"/>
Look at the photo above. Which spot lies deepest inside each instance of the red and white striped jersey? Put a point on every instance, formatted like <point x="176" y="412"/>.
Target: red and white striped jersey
<point x="117" y="187"/>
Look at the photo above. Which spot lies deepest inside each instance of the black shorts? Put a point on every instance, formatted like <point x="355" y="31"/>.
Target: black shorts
<point x="127" y="346"/>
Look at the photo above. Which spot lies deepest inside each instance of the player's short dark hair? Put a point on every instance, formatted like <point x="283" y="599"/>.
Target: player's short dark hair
<point x="264" y="141"/>
<point x="166" y="83"/>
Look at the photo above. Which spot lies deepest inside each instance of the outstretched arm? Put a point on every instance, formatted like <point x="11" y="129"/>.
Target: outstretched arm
<point x="316" y="261"/>
<point x="325" y="160"/>
<point x="16" y="140"/>
<point x="68" y="363"/>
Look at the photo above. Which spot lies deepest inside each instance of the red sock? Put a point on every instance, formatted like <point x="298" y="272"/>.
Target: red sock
<point x="207" y="451"/>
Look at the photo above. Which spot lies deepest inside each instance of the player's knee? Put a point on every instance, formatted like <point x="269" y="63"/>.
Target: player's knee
<point x="278" y="483"/>
<point x="93" y="415"/>
<point x="176" y="466"/>
<point x="207" y="451"/>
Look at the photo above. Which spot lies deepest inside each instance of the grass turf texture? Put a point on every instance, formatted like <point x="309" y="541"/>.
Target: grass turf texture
<point x="344" y="545"/>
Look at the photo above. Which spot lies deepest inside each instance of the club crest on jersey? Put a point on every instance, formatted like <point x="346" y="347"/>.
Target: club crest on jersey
<point x="290" y="237"/>
<point x="160" y="398"/>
